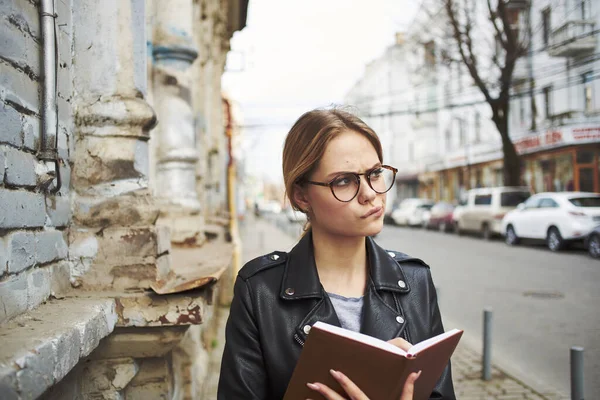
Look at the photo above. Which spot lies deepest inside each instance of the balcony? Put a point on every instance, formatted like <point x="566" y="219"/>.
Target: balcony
<point x="572" y="39"/>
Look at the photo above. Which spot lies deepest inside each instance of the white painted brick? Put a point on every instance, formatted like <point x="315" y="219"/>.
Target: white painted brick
<point x="19" y="48"/>
<point x="13" y="296"/>
<point x="31" y="132"/>
<point x="2" y="165"/>
<point x="21" y="251"/>
<point x="51" y="246"/>
<point x="58" y="209"/>
<point x="3" y="256"/>
<point x="16" y="87"/>
<point x="21" y="209"/>
<point x="38" y="287"/>
<point x="65" y="179"/>
<point x="20" y="167"/>
<point x="25" y="15"/>
<point x="10" y="125"/>
<point x="60" y="275"/>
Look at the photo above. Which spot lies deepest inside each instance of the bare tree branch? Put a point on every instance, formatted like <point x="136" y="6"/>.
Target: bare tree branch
<point x="493" y="16"/>
<point x="469" y="61"/>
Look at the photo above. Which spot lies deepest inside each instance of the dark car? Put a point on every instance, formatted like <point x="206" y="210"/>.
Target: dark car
<point x="593" y="242"/>
<point x="441" y="217"/>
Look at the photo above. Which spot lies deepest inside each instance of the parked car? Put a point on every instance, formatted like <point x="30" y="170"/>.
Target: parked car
<point x="410" y="211"/>
<point x="592" y="242"/>
<point x="486" y="207"/>
<point x="558" y="218"/>
<point x="269" y="207"/>
<point x="456" y="214"/>
<point x="294" y="215"/>
<point x="440" y="217"/>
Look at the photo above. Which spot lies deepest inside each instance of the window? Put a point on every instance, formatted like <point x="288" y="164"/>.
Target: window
<point x="448" y="138"/>
<point x="546" y="26"/>
<point x="462" y="132"/>
<point x="548" y="101"/>
<point x="483" y="199"/>
<point x="477" y="127"/>
<point x="585" y="9"/>
<point x="513" y="199"/>
<point x="587" y="92"/>
<point x="429" y="48"/>
<point x="548" y="203"/>
<point x="532" y="202"/>
<point x="586" y="201"/>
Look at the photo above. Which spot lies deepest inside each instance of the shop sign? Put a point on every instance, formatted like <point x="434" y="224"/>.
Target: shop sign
<point x="586" y="134"/>
<point x="529" y="144"/>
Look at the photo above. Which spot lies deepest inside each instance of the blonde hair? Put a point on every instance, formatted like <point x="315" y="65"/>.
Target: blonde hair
<point x="306" y="142"/>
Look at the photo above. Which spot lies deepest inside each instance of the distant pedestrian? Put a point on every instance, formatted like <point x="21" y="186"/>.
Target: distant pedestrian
<point x="333" y="171"/>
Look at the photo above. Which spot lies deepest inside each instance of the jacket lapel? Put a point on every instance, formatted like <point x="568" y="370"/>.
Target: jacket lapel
<point x="383" y="319"/>
<point x="301" y="282"/>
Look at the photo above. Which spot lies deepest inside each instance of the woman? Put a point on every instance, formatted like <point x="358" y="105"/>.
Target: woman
<point x="333" y="171"/>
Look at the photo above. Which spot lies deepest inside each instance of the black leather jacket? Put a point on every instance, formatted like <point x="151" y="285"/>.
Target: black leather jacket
<point x="277" y="295"/>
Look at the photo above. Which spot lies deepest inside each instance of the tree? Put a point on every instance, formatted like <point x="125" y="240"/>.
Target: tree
<point x="493" y="77"/>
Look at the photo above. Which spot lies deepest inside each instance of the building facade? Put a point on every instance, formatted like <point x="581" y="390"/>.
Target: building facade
<point x="554" y="109"/>
<point x="115" y="236"/>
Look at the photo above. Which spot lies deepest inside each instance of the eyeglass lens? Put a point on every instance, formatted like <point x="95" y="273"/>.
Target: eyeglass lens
<point x="345" y="187"/>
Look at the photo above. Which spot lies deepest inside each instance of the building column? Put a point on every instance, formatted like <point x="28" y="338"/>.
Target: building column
<point x="114" y="241"/>
<point x="176" y="152"/>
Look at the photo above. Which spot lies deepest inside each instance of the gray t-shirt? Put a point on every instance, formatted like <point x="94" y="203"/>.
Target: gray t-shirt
<point x="348" y="310"/>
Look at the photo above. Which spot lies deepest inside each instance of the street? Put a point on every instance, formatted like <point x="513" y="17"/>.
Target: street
<point x="543" y="303"/>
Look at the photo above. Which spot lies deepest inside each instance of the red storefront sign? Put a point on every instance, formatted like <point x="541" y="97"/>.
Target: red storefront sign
<point x="586" y="133"/>
<point x="529" y="144"/>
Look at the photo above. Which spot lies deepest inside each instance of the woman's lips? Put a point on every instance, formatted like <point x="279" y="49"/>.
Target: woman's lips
<point x="375" y="211"/>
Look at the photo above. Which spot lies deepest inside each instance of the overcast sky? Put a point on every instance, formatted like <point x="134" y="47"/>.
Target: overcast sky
<point x="296" y="55"/>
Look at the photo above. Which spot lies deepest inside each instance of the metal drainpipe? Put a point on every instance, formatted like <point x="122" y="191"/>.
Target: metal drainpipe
<point x="48" y="147"/>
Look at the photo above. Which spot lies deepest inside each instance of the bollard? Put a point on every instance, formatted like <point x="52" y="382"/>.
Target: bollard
<point x="487" y="345"/>
<point x="576" y="373"/>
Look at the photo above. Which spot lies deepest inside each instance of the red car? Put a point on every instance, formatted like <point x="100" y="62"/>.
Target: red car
<point x="441" y="217"/>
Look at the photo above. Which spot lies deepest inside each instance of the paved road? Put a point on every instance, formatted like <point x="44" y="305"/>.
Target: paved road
<point x="532" y="334"/>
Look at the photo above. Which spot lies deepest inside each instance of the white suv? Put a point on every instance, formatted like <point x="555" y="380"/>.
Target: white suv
<point x="557" y="218"/>
<point x="486" y="207"/>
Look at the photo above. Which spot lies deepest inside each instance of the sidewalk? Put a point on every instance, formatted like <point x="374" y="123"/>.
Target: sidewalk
<point x="260" y="236"/>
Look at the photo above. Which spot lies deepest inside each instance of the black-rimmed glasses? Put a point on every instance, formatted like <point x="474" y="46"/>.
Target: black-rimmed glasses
<point x="345" y="186"/>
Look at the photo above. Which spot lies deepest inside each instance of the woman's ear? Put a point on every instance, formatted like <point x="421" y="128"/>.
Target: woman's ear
<point x="300" y="198"/>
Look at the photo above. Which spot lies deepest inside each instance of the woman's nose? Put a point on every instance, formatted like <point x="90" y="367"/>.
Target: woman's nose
<point x="366" y="193"/>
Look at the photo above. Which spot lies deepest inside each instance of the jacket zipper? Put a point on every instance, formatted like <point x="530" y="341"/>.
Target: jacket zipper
<point x="297" y="338"/>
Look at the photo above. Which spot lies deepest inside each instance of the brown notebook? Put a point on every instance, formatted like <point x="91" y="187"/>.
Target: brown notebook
<point x="378" y="368"/>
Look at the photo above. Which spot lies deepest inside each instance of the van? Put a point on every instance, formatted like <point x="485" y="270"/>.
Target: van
<point x="485" y="208"/>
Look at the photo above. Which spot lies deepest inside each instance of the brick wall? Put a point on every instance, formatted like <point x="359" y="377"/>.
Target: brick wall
<point x="33" y="240"/>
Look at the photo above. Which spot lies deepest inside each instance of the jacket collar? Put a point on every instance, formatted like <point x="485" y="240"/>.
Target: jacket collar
<point x="301" y="279"/>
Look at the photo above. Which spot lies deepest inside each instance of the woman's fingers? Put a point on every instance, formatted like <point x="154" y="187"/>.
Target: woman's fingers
<point x="409" y="386"/>
<point x="399" y="342"/>
<point x="349" y="387"/>
<point x="325" y="391"/>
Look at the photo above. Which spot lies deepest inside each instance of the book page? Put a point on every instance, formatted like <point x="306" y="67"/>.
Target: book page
<point x="413" y="351"/>
<point x="359" y="337"/>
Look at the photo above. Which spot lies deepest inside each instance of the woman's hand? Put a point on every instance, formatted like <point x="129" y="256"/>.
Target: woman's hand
<point x="399" y="342"/>
<point x="354" y="392"/>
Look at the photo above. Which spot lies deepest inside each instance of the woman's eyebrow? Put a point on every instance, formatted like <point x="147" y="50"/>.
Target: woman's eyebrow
<point x="334" y="174"/>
